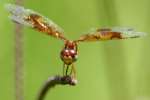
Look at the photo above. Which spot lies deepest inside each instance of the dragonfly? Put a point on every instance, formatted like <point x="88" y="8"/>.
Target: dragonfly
<point x="69" y="52"/>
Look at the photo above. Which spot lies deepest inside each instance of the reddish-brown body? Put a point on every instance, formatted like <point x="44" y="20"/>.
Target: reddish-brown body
<point x="69" y="55"/>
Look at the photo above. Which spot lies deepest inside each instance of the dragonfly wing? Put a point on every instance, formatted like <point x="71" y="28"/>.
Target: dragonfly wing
<point x="35" y="20"/>
<point x="20" y="20"/>
<point x="128" y="32"/>
<point x="111" y="34"/>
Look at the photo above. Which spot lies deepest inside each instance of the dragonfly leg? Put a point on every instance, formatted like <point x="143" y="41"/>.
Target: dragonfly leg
<point x="67" y="70"/>
<point x="64" y="69"/>
<point x="73" y="71"/>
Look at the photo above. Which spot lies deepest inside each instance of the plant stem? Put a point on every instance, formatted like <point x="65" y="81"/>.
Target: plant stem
<point x="53" y="81"/>
<point x="19" y="64"/>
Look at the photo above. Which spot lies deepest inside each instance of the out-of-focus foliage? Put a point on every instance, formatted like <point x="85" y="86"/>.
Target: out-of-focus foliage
<point x="111" y="70"/>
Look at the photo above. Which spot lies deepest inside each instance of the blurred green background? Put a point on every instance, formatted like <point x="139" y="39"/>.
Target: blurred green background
<point x="110" y="70"/>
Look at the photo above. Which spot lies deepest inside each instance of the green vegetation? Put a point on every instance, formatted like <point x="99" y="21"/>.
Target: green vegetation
<point x="111" y="70"/>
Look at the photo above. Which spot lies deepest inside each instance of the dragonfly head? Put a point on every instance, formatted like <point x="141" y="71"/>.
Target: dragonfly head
<point x="69" y="52"/>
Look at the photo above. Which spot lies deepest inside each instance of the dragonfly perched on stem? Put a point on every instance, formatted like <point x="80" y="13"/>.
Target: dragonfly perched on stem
<point x="69" y="52"/>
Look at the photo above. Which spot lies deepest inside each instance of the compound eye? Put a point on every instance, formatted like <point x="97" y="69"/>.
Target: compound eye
<point x="72" y="52"/>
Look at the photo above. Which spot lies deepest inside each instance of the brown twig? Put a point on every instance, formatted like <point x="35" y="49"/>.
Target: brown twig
<point x="53" y="81"/>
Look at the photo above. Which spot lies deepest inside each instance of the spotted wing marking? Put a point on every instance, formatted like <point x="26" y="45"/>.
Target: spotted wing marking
<point x="35" y="20"/>
<point x="111" y="34"/>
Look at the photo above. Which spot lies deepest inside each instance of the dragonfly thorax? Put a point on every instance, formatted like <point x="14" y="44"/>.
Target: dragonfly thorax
<point x="69" y="52"/>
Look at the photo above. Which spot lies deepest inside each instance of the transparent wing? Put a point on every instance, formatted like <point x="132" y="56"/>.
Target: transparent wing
<point x="35" y="20"/>
<point x="111" y="34"/>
